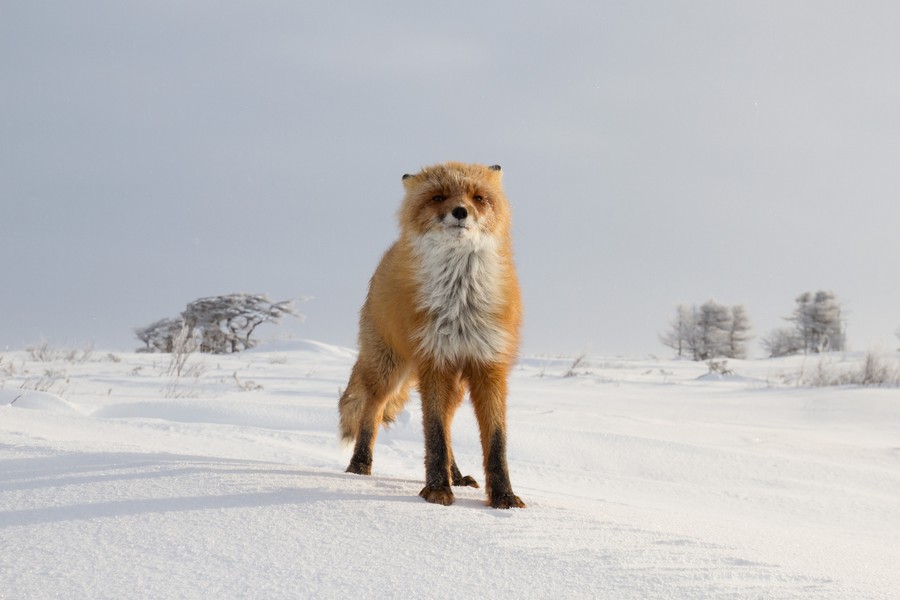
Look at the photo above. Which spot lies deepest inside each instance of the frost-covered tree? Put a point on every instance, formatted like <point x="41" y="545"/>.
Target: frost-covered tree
<point x="817" y="322"/>
<point x="218" y="324"/>
<point x="677" y="336"/>
<point x="710" y="331"/>
<point x="713" y="326"/>
<point x="739" y="332"/>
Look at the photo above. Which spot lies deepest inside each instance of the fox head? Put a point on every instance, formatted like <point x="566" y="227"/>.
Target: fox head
<point x="457" y="200"/>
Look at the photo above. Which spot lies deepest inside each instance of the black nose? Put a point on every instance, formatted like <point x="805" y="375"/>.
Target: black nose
<point x="460" y="212"/>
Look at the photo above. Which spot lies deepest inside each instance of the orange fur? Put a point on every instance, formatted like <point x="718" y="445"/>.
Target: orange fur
<point x="443" y="312"/>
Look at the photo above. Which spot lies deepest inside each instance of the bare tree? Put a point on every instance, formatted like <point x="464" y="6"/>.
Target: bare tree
<point x="680" y="330"/>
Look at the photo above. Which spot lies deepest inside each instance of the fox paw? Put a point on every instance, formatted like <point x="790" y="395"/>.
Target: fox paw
<point x="509" y="500"/>
<point x="465" y="481"/>
<point x="441" y="495"/>
<point x="359" y="468"/>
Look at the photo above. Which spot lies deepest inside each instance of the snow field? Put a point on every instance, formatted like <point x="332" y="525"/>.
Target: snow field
<point x="644" y="479"/>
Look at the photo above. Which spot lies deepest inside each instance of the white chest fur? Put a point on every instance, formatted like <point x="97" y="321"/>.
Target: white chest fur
<point x="460" y="289"/>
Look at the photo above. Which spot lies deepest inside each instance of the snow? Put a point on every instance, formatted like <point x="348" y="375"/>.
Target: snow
<point x="644" y="478"/>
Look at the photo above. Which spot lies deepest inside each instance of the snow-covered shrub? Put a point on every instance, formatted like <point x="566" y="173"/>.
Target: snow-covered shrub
<point x="577" y="364"/>
<point x="44" y="352"/>
<point x="718" y="367"/>
<point x="782" y="342"/>
<point x="875" y="370"/>
<point x="181" y="348"/>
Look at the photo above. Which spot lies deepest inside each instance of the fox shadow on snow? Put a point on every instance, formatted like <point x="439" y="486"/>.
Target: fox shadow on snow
<point x="287" y="486"/>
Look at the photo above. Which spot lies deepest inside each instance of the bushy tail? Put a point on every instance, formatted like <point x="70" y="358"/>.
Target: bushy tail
<point x="389" y="395"/>
<point x="395" y="403"/>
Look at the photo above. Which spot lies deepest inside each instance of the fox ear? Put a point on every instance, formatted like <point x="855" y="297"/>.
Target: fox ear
<point x="405" y="176"/>
<point x="494" y="167"/>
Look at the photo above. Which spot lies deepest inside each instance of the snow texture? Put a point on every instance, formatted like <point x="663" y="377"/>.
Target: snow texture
<point x="643" y="479"/>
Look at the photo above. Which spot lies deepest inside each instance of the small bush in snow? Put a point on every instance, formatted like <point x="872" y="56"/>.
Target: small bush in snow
<point x="875" y="370"/>
<point x="578" y="363"/>
<point x="44" y="382"/>
<point x="246" y="386"/>
<point x="782" y="342"/>
<point x="718" y="367"/>
<point x="183" y="345"/>
<point x="44" y="352"/>
<point x="40" y="353"/>
<point x="7" y="370"/>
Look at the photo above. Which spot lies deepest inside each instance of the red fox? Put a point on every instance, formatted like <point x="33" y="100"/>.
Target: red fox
<point x="443" y="312"/>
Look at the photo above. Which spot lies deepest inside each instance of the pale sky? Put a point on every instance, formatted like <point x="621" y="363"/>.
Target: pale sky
<point x="655" y="153"/>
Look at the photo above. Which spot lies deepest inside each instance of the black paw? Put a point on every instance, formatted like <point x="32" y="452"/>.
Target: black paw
<point x="441" y="495"/>
<point x="509" y="500"/>
<point x="465" y="481"/>
<point x="359" y="468"/>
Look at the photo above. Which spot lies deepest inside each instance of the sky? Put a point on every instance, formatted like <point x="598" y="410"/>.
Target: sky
<point x="654" y="153"/>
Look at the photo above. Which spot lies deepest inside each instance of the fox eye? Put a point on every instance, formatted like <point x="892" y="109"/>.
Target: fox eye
<point x="438" y="198"/>
<point x="478" y="198"/>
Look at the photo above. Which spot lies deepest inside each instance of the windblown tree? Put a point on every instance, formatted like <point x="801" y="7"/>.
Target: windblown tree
<point x="160" y="336"/>
<point x="216" y="325"/>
